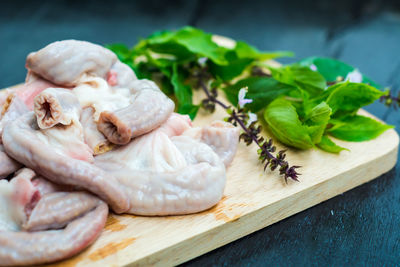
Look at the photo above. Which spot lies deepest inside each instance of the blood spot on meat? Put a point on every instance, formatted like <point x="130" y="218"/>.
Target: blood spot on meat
<point x="112" y="78"/>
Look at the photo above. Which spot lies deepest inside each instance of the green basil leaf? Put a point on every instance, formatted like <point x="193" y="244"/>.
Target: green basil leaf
<point x="186" y="44"/>
<point x="183" y="93"/>
<point x="328" y="145"/>
<point x="241" y="57"/>
<point x="122" y="51"/>
<point x="166" y="85"/>
<point x="320" y="114"/>
<point x="331" y="69"/>
<point x="235" y="67"/>
<point x="143" y="71"/>
<point x="262" y="90"/>
<point x="300" y="76"/>
<point x="346" y="97"/>
<point x="317" y="119"/>
<point x="358" y="128"/>
<point x="284" y="123"/>
<point x="244" y="50"/>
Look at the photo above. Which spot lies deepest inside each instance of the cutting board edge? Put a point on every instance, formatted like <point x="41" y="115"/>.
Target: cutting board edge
<point x="223" y="233"/>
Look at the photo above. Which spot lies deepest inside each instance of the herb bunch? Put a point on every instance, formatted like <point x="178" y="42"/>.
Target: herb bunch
<point x="303" y="104"/>
<point x="251" y="131"/>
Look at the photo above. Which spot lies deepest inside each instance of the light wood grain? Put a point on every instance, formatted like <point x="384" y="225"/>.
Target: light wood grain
<point x="252" y="200"/>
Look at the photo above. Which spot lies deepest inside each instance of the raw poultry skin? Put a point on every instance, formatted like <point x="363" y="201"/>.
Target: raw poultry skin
<point x="149" y="109"/>
<point x="78" y="63"/>
<point x="167" y="173"/>
<point x="96" y="127"/>
<point x="65" y="62"/>
<point x="7" y="164"/>
<point x="35" y="229"/>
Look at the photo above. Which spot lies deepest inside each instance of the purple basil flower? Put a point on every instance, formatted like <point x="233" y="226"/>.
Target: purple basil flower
<point x="241" y="97"/>
<point x="252" y="118"/>
<point x="313" y="67"/>
<point x="355" y="76"/>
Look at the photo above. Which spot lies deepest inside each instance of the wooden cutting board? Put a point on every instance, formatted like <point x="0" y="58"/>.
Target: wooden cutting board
<point x="252" y="200"/>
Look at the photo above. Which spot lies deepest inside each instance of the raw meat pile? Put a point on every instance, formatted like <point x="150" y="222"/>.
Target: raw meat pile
<point x="84" y="134"/>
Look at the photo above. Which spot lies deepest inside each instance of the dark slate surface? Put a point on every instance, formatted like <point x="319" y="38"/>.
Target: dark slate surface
<point x="360" y="227"/>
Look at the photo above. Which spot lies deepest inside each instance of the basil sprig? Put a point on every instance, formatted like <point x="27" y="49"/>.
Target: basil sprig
<point x="303" y="103"/>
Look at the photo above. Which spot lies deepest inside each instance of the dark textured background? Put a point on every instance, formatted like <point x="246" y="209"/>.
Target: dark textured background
<point x="360" y="227"/>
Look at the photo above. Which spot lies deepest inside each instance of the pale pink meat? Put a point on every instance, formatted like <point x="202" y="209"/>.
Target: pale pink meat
<point x="96" y="127"/>
<point x="32" y="221"/>
<point x="27" y="248"/>
<point x="21" y="141"/>
<point x="159" y="173"/>
<point x="93" y="137"/>
<point x="149" y="109"/>
<point x="65" y="62"/>
<point x="7" y="164"/>
<point x="56" y="106"/>
<point x="28" y="91"/>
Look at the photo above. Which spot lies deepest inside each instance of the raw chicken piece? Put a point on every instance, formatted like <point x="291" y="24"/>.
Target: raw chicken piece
<point x="156" y="174"/>
<point x="121" y="76"/>
<point x="24" y="207"/>
<point x="221" y="136"/>
<point x="57" y="111"/>
<point x="44" y="186"/>
<point x="27" y="248"/>
<point x="7" y="164"/>
<point x="26" y="92"/>
<point x="166" y="174"/>
<point x="21" y="141"/>
<point x="127" y="107"/>
<point x="56" y="106"/>
<point x="188" y="178"/>
<point x="151" y="152"/>
<point x="56" y="209"/>
<point x="15" y="109"/>
<point x="14" y="197"/>
<point x="149" y="109"/>
<point x="20" y="99"/>
<point x="65" y="62"/>
<point x="66" y="140"/>
<point x="93" y="137"/>
<point x="96" y="93"/>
